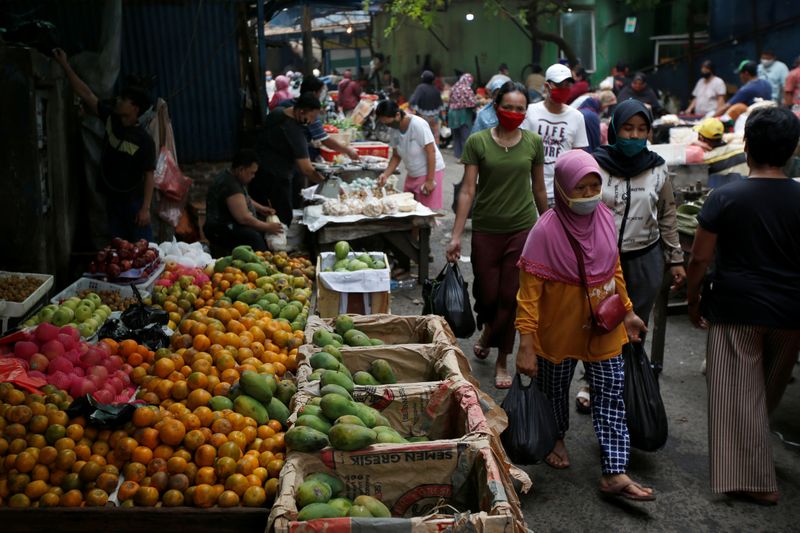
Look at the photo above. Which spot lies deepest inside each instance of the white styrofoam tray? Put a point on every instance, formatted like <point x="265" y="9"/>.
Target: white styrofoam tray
<point x="18" y="309"/>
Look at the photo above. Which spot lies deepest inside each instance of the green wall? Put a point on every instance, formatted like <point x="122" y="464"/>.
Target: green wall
<point x="496" y="39"/>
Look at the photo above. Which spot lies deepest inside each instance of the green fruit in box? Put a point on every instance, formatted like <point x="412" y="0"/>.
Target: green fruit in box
<point x="62" y="316"/>
<point x="382" y="371"/>
<point x="351" y="437"/>
<point x="324" y="360"/>
<point x="337" y="338"/>
<point x="335" y="389"/>
<point x="418" y="439"/>
<point x="335" y="405"/>
<point x="380" y="420"/>
<point x="274" y="310"/>
<point x="95" y="299"/>
<point x="89" y="303"/>
<point x="305" y="439"/>
<point x="374" y="505"/>
<point x="263" y="303"/>
<point x="387" y="435"/>
<point x="317" y="400"/>
<point x="71" y="303"/>
<point x="238" y="263"/>
<point x="343" y="324"/>
<point x="332" y="377"/>
<point x="258" y="386"/>
<point x="298" y="326"/>
<point x="285" y="391"/>
<point x="334" y="351"/>
<point x="256" y="267"/>
<point x="322" y="337"/>
<point x="314" y="410"/>
<point x="359" y="511"/>
<point x="360" y="340"/>
<point x="349" y="336"/>
<point x="221" y="264"/>
<point x="336" y="484"/>
<point x="341" y="270"/>
<point x="86" y="330"/>
<point x="376" y="342"/>
<point x="313" y="422"/>
<point x="316" y="511"/>
<point x="378" y="265"/>
<point x="350" y="419"/>
<point x="342" y="504"/>
<point x="364" y="378"/>
<point x="278" y="411"/>
<point x="236" y="290"/>
<point x="247" y="406"/>
<point x="340" y="265"/>
<point x="315" y="376"/>
<point x="220" y="403"/>
<point x="366" y="259"/>
<point x="313" y="491"/>
<point x="367" y="414"/>
<point x="344" y="370"/>
<point x="244" y="253"/>
<point x="250" y="296"/>
<point x="271" y="297"/>
<point x="341" y="249"/>
<point x="289" y="312"/>
<point x="355" y="265"/>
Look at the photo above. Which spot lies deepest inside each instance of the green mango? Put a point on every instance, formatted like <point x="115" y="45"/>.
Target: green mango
<point x="342" y="504"/>
<point x="350" y="419"/>
<point x="305" y="439"/>
<point x="244" y="253"/>
<point x="248" y="406"/>
<point x="381" y="420"/>
<point x="316" y="375"/>
<point x="238" y="263"/>
<point x="250" y="296"/>
<point x="332" y="377"/>
<point x="349" y="335"/>
<point x="322" y="337"/>
<point x="315" y="511"/>
<point x="418" y="439"/>
<point x="382" y="371"/>
<point x="374" y="505"/>
<point x="335" y="405"/>
<point x="367" y="414"/>
<point x="313" y="422"/>
<point x="334" y="351"/>
<point x="312" y="491"/>
<point x="341" y="250"/>
<point x="351" y="437"/>
<point x="220" y="403"/>
<point x="365" y="258"/>
<point x="259" y="386"/>
<point x="315" y="401"/>
<point x="221" y="264"/>
<point x="335" y="389"/>
<point x="279" y="412"/>
<point x="257" y="267"/>
<point x="364" y="378"/>
<point x="338" y="338"/>
<point x="336" y="484"/>
<point x="324" y="360"/>
<point x="355" y="265"/>
<point x="344" y="370"/>
<point x="236" y="290"/>
<point x="376" y="342"/>
<point x="359" y="511"/>
<point x="309" y="409"/>
<point x="343" y="324"/>
<point x="285" y="390"/>
<point x="388" y="435"/>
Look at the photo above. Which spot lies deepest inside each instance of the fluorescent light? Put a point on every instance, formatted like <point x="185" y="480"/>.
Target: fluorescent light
<point x="349" y="29"/>
<point x="470" y="17"/>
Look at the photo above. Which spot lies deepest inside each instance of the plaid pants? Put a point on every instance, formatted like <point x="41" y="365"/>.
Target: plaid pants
<point x="607" y="382"/>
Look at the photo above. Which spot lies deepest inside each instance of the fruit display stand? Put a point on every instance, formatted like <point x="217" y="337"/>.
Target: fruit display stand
<point x="422" y="485"/>
<point x="95" y="285"/>
<point x="9" y="310"/>
<point x="392" y="329"/>
<point x="365" y="291"/>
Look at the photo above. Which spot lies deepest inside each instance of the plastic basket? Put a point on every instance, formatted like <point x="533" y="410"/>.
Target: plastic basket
<point x="95" y="285"/>
<point x="18" y="309"/>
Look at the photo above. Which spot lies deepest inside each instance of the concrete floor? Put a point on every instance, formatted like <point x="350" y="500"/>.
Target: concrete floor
<point x="567" y="500"/>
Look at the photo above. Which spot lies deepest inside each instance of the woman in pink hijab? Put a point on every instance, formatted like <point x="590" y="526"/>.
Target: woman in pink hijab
<point x="282" y="92"/>
<point x="553" y="316"/>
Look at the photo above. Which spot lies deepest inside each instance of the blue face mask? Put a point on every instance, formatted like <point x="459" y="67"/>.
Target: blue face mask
<point x="630" y="147"/>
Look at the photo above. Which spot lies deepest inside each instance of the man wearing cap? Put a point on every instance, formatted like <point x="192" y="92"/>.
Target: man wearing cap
<point x="722" y="158"/>
<point x="487" y="117"/>
<point x="752" y="88"/>
<point x="560" y="126"/>
<point x="774" y="71"/>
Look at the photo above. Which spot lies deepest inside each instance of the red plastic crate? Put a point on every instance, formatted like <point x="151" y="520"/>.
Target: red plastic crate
<point x="376" y="149"/>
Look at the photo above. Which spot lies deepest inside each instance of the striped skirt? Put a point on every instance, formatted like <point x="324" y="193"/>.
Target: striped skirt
<point x="748" y="370"/>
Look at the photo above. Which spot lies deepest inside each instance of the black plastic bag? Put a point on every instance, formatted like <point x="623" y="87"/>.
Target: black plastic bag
<point x="101" y="415"/>
<point x="646" y="416"/>
<point x="532" y="430"/>
<point x="113" y="328"/>
<point x="137" y="316"/>
<point x="152" y="336"/>
<point x="448" y="296"/>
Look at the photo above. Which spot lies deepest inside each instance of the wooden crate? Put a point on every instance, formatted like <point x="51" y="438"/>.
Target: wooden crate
<point x="331" y="303"/>
<point x="134" y="520"/>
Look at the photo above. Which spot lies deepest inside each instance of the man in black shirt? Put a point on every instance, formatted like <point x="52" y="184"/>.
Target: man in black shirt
<point x="128" y="159"/>
<point x="281" y="145"/>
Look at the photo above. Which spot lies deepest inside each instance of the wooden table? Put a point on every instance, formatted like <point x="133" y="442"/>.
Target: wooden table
<point x="395" y="231"/>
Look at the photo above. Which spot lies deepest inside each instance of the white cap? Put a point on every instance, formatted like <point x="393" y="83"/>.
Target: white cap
<point x="558" y="73"/>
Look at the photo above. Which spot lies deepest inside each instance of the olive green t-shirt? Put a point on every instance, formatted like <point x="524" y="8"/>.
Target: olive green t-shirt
<point x="504" y="198"/>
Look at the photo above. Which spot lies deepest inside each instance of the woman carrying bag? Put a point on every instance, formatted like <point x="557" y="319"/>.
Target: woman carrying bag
<point x="572" y="306"/>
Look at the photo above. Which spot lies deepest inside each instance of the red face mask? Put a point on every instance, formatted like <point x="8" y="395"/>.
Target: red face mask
<point x="560" y="95"/>
<point x="510" y="120"/>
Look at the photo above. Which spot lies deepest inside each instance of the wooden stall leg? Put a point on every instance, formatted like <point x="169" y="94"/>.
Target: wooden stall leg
<point x="424" y="252"/>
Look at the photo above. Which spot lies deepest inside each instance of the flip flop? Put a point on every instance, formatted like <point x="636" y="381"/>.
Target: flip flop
<point x="503" y="382"/>
<point x="583" y="408"/>
<point x="481" y="352"/>
<point x="554" y="465"/>
<point x="620" y="490"/>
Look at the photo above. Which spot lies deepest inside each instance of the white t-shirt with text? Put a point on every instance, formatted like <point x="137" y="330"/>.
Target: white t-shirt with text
<point x="410" y="146"/>
<point x="560" y="133"/>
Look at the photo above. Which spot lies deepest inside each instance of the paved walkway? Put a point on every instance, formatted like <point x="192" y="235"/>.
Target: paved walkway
<point x="567" y="500"/>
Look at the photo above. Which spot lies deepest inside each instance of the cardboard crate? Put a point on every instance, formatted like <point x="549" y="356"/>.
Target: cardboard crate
<point x="360" y="292"/>
<point x="455" y="484"/>
<point x="393" y="329"/>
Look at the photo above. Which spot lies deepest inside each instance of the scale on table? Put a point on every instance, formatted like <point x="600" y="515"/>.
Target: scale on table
<point x="330" y="187"/>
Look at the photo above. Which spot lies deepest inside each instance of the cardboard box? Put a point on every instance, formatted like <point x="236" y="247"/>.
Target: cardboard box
<point x="454" y="484"/>
<point x="361" y="291"/>
<point x="393" y="329"/>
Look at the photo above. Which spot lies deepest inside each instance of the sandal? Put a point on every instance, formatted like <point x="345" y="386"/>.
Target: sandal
<point x="620" y="490"/>
<point x="552" y="464"/>
<point x="503" y="382"/>
<point x="583" y="401"/>
<point x="480" y="351"/>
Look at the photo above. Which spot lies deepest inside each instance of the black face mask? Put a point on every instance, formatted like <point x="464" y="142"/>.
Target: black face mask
<point x="706" y="75"/>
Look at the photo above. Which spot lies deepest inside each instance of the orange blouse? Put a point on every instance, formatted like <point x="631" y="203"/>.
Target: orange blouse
<point x="557" y="315"/>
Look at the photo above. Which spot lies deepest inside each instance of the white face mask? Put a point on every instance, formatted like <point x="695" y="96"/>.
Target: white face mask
<point x="581" y="206"/>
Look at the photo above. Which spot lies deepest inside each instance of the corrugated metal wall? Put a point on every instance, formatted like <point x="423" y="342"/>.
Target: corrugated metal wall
<point x="189" y="45"/>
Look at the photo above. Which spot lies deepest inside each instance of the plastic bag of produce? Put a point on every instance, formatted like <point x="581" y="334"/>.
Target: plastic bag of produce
<point x="152" y="336"/>
<point x="532" y="430"/>
<point x="277" y="242"/>
<point x="138" y="316"/>
<point x="169" y="179"/>
<point x="647" y="419"/>
<point x="448" y="296"/>
<point x="114" y="329"/>
<point x="101" y="415"/>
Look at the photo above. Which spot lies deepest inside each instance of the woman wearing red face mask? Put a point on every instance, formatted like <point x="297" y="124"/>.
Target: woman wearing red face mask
<point x="509" y="161"/>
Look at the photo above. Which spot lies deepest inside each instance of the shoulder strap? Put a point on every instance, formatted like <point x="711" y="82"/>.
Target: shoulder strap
<point x="625" y="214"/>
<point x="579" y="256"/>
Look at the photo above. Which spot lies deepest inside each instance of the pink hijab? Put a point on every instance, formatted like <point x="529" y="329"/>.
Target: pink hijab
<point x="282" y="92"/>
<point x="548" y="254"/>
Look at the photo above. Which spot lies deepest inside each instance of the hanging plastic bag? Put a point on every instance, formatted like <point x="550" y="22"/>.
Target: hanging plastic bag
<point x="448" y="296"/>
<point x="168" y="177"/>
<point x="13" y="370"/>
<point x="532" y="431"/>
<point x="647" y="418"/>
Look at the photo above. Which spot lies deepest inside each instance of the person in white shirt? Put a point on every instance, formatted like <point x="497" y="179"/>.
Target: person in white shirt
<point x="560" y="126"/>
<point x="775" y="72"/>
<point x="709" y="93"/>
<point x="413" y="143"/>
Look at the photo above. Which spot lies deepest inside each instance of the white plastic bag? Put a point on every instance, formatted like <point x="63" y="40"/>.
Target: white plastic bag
<point x="277" y="242"/>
